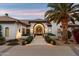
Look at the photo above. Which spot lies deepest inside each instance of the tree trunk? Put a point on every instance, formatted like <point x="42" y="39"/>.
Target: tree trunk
<point x="64" y="29"/>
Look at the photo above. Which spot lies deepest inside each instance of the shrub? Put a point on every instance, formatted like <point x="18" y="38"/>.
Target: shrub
<point x="0" y="31"/>
<point x="29" y="39"/>
<point x="54" y="42"/>
<point x="49" y="40"/>
<point x="2" y="40"/>
<point x="69" y="34"/>
<point x="13" y="42"/>
<point x="28" y="34"/>
<point x="51" y="34"/>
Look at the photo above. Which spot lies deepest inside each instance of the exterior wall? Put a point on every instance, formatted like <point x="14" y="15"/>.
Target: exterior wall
<point x="46" y="28"/>
<point x="55" y="28"/>
<point x="15" y="30"/>
<point x="12" y="30"/>
<point x="76" y="22"/>
<point x="19" y="30"/>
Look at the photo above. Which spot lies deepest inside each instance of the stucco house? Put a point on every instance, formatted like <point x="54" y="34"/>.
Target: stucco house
<point x="14" y="28"/>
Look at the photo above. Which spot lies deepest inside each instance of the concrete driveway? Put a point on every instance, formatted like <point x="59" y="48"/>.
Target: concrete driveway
<point x="39" y="50"/>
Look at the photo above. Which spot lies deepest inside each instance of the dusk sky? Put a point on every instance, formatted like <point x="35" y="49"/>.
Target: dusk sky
<point x="24" y="10"/>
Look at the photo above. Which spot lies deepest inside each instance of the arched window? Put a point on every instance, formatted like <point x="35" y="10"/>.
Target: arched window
<point x="6" y="32"/>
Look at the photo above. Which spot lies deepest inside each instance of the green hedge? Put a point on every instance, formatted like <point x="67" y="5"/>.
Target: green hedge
<point x="29" y="39"/>
<point x="28" y="34"/>
<point x="2" y="40"/>
<point x="13" y="42"/>
<point x="50" y="34"/>
<point x="69" y="34"/>
<point x="49" y="40"/>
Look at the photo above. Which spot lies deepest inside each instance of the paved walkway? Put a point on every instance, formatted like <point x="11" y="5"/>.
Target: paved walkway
<point x="40" y="50"/>
<point x="4" y="49"/>
<point x="39" y="40"/>
<point x="75" y="48"/>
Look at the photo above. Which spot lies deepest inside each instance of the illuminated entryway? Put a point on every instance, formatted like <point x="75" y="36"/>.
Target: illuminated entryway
<point x="38" y="29"/>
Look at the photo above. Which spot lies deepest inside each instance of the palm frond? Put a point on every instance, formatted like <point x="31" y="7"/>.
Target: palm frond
<point x="60" y="10"/>
<point x="77" y="19"/>
<point x="53" y="5"/>
<point x="58" y="21"/>
<point x="75" y="15"/>
<point x="74" y="7"/>
<point x="72" y="20"/>
<point x="48" y="12"/>
<point x="74" y="11"/>
<point x="69" y="6"/>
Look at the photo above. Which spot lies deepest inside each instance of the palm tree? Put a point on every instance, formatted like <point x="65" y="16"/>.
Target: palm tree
<point x="62" y="13"/>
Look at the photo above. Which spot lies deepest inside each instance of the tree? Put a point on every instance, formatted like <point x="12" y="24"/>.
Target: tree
<point x="62" y="13"/>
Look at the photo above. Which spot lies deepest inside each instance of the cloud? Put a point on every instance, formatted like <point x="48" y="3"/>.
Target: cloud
<point x="36" y="12"/>
<point x="24" y="13"/>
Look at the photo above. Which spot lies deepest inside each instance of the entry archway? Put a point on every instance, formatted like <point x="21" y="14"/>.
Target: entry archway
<point x="38" y="29"/>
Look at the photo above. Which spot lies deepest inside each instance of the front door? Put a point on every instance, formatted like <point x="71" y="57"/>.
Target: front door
<point x="38" y="29"/>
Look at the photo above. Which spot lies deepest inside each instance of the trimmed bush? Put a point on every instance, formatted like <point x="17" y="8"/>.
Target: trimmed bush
<point x="29" y="39"/>
<point x="0" y="31"/>
<point x="49" y="40"/>
<point x="2" y="40"/>
<point x="50" y="34"/>
<point x="69" y="34"/>
<point x="13" y="42"/>
<point x="28" y="34"/>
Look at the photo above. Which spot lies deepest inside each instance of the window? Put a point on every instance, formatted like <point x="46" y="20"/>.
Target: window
<point x="19" y="30"/>
<point x="23" y="31"/>
<point x="27" y="31"/>
<point x="6" y="32"/>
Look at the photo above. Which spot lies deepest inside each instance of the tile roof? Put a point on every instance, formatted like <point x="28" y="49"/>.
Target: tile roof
<point x="23" y="22"/>
<point x="7" y="18"/>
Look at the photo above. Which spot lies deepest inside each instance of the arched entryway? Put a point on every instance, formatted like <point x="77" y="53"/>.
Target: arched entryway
<point x="38" y="29"/>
